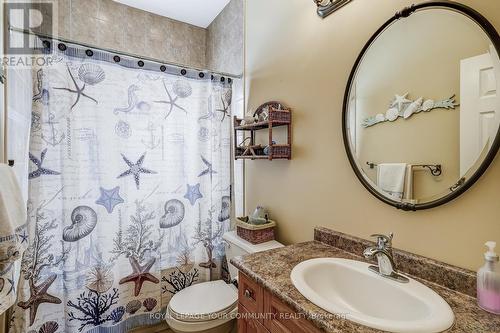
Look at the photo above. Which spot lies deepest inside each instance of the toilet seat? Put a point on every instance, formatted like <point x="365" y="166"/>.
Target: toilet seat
<point x="215" y="300"/>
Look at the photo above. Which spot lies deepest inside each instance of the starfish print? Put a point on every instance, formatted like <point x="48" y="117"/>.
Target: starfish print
<point x="78" y="90"/>
<point x="40" y="170"/>
<point x="209" y="170"/>
<point x="171" y="102"/>
<point x="110" y="198"/>
<point x="140" y="274"/>
<point x="193" y="193"/>
<point x="225" y="109"/>
<point x="24" y="237"/>
<point x="39" y="295"/>
<point x="399" y="101"/>
<point x="135" y="169"/>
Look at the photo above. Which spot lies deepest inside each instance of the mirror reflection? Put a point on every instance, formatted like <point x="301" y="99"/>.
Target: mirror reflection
<point x="423" y="108"/>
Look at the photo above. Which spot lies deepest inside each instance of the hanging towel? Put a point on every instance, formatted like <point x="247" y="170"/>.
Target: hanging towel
<point x="408" y="189"/>
<point x="12" y="216"/>
<point x="391" y="178"/>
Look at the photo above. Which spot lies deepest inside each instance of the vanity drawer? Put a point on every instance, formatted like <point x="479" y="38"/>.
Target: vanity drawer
<point x="250" y="294"/>
<point x="283" y="319"/>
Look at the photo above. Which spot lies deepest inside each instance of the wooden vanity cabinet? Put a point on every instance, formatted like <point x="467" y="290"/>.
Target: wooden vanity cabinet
<point x="262" y="312"/>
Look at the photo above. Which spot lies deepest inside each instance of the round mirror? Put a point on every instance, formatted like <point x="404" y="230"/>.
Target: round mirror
<point x="422" y="107"/>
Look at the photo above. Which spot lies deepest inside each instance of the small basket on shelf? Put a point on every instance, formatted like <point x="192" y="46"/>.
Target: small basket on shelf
<point x="268" y="117"/>
<point x="255" y="234"/>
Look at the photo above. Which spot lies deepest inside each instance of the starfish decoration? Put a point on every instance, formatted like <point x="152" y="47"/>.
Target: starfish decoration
<point x="193" y="193"/>
<point x="110" y="198"/>
<point x="140" y="274"/>
<point x="225" y="109"/>
<point x="78" y="90"/>
<point x="399" y="101"/>
<point x="135" y="169"/>
<point x="40" y="170"/>
<point x="209" y="170"/>
<point x="171" y="102"/>
<point x="39" y="295"/>
<point x="24" y="237"/>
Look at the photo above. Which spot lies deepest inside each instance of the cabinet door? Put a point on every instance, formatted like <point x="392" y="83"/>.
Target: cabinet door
<point x="283" y="319"/>
<point x="250" y="326"/>
<point x="247" y="322"/>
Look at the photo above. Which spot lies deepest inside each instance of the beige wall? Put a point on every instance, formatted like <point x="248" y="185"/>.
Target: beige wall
<point x="225" y="39"/>
<point x="294" y="56"/>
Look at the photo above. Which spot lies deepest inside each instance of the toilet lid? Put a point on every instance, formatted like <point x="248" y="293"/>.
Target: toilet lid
<point x="203" y="301"/>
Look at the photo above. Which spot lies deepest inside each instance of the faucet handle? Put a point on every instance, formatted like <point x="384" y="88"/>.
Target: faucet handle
<point x="383" y="241"/>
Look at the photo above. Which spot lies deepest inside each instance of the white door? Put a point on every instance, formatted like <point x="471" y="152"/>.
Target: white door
<point x="479" y="107"/>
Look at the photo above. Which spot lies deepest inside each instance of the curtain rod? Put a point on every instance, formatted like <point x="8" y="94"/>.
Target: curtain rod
<point x="123" y="53"/>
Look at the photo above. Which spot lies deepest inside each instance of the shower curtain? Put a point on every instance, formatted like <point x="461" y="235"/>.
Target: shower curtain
<point x="129" y="193"/>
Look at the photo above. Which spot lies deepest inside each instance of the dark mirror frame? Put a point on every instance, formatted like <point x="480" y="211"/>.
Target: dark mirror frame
<point x="461" y="187"/>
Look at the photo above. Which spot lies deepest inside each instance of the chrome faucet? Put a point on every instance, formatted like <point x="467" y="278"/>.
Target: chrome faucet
<point x="383" y="252"/>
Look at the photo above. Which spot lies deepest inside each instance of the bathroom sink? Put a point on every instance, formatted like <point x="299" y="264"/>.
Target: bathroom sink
<point x="347" y="288"/>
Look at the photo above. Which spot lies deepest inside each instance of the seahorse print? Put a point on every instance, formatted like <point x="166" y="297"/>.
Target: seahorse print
<point x="132" y="100"/>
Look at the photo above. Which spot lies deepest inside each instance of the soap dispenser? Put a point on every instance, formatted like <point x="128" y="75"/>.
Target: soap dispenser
<point x="488" y="281"/>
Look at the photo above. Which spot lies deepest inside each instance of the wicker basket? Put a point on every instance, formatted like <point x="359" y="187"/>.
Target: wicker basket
<point x="279" y="115"/>
<point x="255" y="234"/>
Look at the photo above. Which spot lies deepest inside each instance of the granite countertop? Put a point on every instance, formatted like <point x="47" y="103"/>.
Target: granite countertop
<point x="272" y="269"/>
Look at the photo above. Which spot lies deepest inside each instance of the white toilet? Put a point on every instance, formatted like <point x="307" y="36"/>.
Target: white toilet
<point x="210" y="307"/>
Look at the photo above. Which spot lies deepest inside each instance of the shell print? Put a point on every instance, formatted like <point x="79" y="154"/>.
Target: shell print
<point x="182" y="89"/>
<point x="117" y="314"/>
<point x="84" y="220"/>
<point x="49" y="327"/>
<point x="228" y="96"/>
<point x="203" y="134"/>
<point x="91" y="74"/>
<point x="143" y="106"/>
<point x="123" y="130"/>
<point x="174" y="214"/>
<point x="99" y="279"/>
<point x="149" y="304"/>
<point x="133" y="306"/>
<point x="225" y="210"/>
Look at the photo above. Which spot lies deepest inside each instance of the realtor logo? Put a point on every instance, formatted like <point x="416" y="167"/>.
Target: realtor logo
<point x="28" y="17"/>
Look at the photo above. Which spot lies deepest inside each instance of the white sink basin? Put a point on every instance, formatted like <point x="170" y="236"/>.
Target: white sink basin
<point x="346" y="287"/>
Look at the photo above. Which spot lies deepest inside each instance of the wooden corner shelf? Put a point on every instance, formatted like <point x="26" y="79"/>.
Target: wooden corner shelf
<point x="252" y="151"/>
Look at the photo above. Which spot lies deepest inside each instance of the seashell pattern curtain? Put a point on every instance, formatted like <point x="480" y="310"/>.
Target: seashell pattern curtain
<point x="129" y="194"/>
